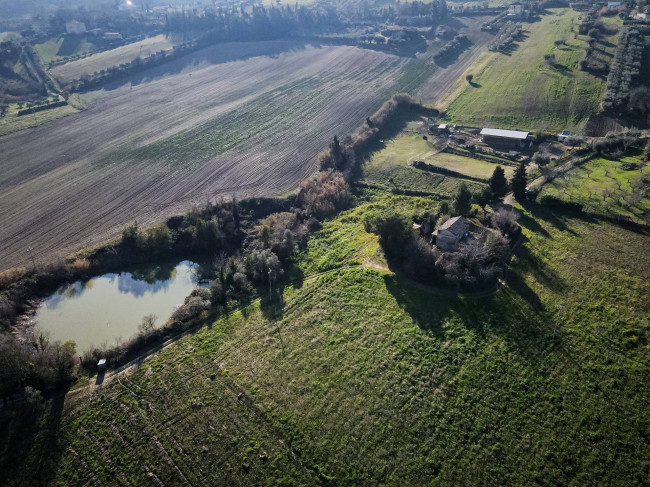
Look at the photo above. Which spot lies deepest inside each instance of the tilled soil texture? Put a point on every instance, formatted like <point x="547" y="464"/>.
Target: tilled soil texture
<point x="203" y="126"/>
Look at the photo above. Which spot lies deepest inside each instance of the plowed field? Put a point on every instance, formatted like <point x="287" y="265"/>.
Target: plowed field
<point x="204" y="125"/>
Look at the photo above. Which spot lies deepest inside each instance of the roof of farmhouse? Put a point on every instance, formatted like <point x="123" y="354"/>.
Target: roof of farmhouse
<point x="457" y="225"/>
<point x="509" y="134"/>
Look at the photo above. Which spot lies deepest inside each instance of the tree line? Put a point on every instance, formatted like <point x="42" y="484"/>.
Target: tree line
<point x="625" y="69"/>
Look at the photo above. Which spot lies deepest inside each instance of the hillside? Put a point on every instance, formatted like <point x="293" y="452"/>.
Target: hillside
<point x="357" y="377"/>
<point x="519" y="90"/>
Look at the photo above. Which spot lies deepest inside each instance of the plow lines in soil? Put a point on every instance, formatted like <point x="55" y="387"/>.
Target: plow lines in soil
<point x="204" y="125"/>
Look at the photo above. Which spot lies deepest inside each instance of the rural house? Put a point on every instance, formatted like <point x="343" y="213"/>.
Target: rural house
<point x="450" y="233"/>
<point x="509" y="138"/>
<point x="611" y="5"/>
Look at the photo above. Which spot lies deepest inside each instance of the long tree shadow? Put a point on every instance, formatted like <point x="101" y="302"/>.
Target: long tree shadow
<point x="33" y="450"/>
<point x="214" y="54"/>
<point x="515" y="313"/>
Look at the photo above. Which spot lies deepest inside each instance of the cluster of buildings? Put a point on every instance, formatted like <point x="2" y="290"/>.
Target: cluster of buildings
<point x="76" y="27"/>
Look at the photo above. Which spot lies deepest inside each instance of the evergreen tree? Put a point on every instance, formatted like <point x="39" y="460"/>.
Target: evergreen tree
<point x="498" y="183"/>
<point x="483" y="198"/>
<point x="338" y="158"/>
<point x="463" y="200"/>
<point x="518" y="182"/>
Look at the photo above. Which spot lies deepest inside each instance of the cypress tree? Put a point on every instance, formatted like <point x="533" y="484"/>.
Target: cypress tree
<point x="498" y="183"/>
<point x="518" y="182"/>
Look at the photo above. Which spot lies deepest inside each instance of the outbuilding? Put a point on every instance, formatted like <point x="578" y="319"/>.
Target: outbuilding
<point x="508" y="138"/>
<point x="450" y="233"/>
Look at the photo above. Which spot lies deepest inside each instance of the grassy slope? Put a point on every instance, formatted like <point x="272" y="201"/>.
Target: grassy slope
<point x="113" y="57"/>
<point x="518" y="91"/>
<point x="64" y="46"/>
<point x="360" y="377"/>
<point x="586" y="183"/>
<point x="13" y="123"/>
<point x="406" y="148"/>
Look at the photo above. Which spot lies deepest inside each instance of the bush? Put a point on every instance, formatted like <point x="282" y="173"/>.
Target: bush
<point x="325" y="194"/>
<point x="554" y="202"/>
<point x="505" y="221"/>
<point x="394" y="231"/>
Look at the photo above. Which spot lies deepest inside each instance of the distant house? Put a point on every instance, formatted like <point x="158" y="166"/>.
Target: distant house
<point x="97" y="32"/>
<point x="450" y="233"/>
<point x="112" y="35"/>
<point x="515" y="10"/>
<point x="441" y="31"/>
<point x="443" y="128"/>
<point x="611" y="5"/>
<point x="75" y="27"/>
<point x="509" y="138"/>
<point x="564" y="136"/>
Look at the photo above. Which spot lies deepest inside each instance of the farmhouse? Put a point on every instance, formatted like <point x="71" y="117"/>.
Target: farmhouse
<point x="75" y="27"/>
<point x="112" y="35"/>
<point x="450" y="233"/>
<point x="509" y="138"/>
<point x="515" y="10"/>
<point x="611" y="5"/>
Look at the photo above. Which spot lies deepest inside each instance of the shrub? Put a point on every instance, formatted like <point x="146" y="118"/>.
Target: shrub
<point x="394" y="231"/>
<point x="325" y="194"/>
<point x="505" y="220"/>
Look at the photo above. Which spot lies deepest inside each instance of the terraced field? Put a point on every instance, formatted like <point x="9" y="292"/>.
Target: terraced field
<point x="114" y="57"/>
<point x="231" y="119"/>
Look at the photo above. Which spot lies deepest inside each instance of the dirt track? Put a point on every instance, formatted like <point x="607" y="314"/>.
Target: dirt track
<point x="77" y="181"/>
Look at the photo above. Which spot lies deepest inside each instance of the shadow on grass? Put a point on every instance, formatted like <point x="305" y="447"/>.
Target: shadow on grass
<point x="533" y="225"/>
<point x="69" y="45"/>
<point x="31" y="437"/>
<point x="396" y="124"/>
<point x="428" y="312"/>
<point x="545" y="275"/>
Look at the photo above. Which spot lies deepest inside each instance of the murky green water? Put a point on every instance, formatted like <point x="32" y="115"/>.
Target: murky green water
<point x="110" y="307"/>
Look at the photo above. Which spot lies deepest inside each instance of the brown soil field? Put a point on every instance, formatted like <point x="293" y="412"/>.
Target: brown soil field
<point x="237" y="119"/>
<point x="193" y="129"/>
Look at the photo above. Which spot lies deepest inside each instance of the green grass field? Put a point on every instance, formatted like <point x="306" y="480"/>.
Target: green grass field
<point x="518" y="90"/>
<point x="390" y="166"/>
<point x="113" y="57"/>
<point x="60" y="47"/>
<point x="13" y="123"/>
<point x="603" y="186"/>
<point x="357" y="378"/>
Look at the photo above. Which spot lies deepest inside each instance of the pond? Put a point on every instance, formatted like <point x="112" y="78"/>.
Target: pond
<point x="108" y="308"/>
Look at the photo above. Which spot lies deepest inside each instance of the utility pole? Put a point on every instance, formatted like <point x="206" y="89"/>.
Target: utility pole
<point x="560" y="311"/>
<point x="270" y="298"/>
<point x="31" y="254"/>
